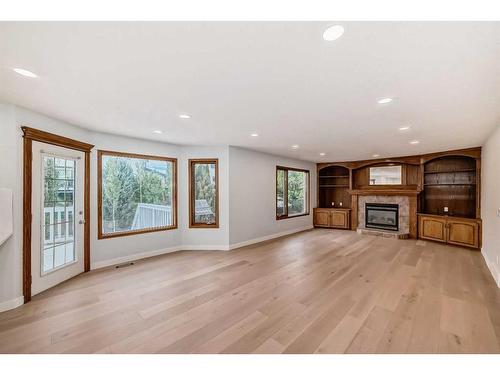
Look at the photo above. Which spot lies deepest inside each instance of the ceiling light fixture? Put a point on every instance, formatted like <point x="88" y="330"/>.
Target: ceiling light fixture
<point x="322" y="154"/>
<point x="184" y="116"/>
<point x="333" y="33"/>
<point x="25" y="72"/>
<point x="385" y="100"/>
<point x="157" y="131"/>
<point x="375" y="155"/>
<point x="254" y="135"/>
<point x="295" y="147"/>
<point x="404" y="128"/>
<point x="414" y="142"/>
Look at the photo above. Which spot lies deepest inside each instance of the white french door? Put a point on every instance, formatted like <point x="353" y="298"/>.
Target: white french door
<point x="57" y="223"/>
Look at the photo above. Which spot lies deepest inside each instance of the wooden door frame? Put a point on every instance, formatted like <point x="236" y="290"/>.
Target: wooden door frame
<point x="30" y="135"/>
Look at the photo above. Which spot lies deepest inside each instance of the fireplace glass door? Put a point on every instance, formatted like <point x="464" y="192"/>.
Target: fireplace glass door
<point x="382" y="216"/>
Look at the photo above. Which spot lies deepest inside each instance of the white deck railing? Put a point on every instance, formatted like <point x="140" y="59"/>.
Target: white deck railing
<point x="149" y="215"/>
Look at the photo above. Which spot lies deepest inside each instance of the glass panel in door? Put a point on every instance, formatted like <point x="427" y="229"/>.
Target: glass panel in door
<point x="58" y="226"/>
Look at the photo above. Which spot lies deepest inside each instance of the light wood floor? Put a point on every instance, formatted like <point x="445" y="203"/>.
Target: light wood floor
<point x="321" y="291"/>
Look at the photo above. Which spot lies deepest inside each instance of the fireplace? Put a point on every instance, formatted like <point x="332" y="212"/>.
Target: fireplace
<point x="382" y="216"/>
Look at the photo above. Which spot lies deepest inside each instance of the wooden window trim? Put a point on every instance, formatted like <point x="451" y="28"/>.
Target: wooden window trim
<point x="30" y="135"/>
<point x="100" y="234"/>
<point x="192" y="223"/>
<point x="285" y="192"/>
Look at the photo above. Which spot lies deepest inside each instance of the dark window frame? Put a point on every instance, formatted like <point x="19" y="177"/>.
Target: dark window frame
<point x="100" y="154"/>
<point x="192" y="223"/>
<point x="285" y="193"/>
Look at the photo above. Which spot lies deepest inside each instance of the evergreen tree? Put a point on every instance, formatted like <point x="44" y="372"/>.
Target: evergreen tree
<point x="50" y="188"/>
<point x="296" y="191"/>
<point x="153" y="187"/>
<point x="118" y="187"/>
<point x="280" y="191"/>
<point x="205" y="184"/>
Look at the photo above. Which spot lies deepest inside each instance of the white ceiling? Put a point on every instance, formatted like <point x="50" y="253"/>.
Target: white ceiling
<point x="279" y="79"/>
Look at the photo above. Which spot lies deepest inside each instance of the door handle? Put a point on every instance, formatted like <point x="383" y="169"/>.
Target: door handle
<point x="81" y="222"/>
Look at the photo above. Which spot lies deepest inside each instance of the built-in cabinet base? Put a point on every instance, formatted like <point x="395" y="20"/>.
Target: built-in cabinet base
<point x="452" y="230"/>
<point x="332" y="218"/>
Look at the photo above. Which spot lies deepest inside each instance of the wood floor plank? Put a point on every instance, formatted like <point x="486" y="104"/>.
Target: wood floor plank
<point x="369" y="335"/>
<point x="319" y="291"/>
<point x="313" y="335"/>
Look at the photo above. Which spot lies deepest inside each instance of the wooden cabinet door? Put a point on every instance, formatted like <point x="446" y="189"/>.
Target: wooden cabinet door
<point x="340" y="219"/>
<point x="464" y="233"/>
<point x="322" y="218"/>
<point x="432" y="228"/>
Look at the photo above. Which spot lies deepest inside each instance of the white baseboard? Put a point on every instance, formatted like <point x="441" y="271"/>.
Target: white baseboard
<point x="269" y="237"/>
<point x="205" y="247"/>
<point x="495" y="272"/>
<point x="148" y="254"/>
<point x="12" y="304"/>
<point x="130" y="258"/>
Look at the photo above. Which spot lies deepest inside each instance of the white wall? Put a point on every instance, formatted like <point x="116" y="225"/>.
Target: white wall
<point x="10" y="251"/>
<point x="248" y="207"/>
<point x="252" y="198"/>
<point x="490" y="203"/>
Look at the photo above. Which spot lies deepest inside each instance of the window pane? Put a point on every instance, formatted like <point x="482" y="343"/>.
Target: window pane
<point x="70" y="169"/>
<point x="47" y="224"/>
<point x="70" y="224"/>
<point x="60" y="190"/>
<point x="390" y="175"/>
<point x="70" y="252"/>
<point x="137" y="193"/>
<point x="48" y="259"/>
<point x="297" y="193"/>
<point x="59" y="257"/>
<point x="63" y="224"/>
<point x="56" y="227"/>
<point x="280" y="192"/>
<point x="59" y="212"/>
<point x="205" y="193"/>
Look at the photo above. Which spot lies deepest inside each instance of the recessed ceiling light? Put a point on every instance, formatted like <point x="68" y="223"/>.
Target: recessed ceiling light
<point x="295" y="146"/>
<point x="322" y="154"/>
<point x="333" y="33"/>
<point x="157" y="131"/>
<point x="404" y="128"/>
<point x="375" y="155"/>
<point x="25" y="73"/>
<point x="414" y="142"/>
<point x="254" y="135"/>
<point x="385" y="101"/>
<point x="184" y="116"/>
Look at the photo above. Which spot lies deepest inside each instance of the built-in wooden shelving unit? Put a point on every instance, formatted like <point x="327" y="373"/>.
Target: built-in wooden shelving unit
<point x="334" y="187"/>
<point x="443" y="190"/>
<point x="450" y="186"/>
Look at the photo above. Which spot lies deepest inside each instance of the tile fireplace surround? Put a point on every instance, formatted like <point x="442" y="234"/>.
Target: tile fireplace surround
<point x="404" y="210"/>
